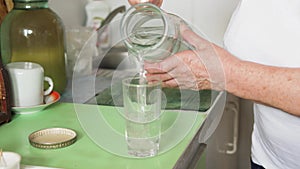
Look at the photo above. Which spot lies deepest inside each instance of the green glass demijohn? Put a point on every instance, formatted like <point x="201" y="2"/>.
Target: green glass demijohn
<point x="31" y="31"/>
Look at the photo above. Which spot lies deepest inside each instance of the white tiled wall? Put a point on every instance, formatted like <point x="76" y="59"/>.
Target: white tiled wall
<point x="208" y="16"/>
<point x="71" y="11"/>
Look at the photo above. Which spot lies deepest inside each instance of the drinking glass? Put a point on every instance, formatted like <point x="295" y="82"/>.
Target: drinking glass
<point x="142" y="109"/>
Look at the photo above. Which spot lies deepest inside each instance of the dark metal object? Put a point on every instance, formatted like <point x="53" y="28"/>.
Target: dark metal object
<point x="116" y="58"/>
<point x="5" y="106"/>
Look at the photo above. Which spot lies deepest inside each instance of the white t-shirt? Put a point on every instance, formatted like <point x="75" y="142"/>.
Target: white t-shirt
<point x="268" y="32"/>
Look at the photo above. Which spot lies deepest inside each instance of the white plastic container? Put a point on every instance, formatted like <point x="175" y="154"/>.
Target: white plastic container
<point x="96" y="12"/>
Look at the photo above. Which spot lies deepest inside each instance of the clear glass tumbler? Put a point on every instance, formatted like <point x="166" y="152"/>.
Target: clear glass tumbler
<point x="142" y="110"/>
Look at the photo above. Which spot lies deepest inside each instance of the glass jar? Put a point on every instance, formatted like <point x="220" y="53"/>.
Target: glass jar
<point x="33" y="32"/>
<point x="149" y="33"/>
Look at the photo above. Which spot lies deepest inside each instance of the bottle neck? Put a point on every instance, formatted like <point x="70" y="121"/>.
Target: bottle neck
<point x="31" y="5"/>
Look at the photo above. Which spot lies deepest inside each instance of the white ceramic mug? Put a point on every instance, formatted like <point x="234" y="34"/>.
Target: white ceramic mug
<point x="27" y="81"/>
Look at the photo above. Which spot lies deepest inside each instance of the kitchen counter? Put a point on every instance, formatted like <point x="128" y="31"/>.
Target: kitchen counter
<point x="84" y="153"/>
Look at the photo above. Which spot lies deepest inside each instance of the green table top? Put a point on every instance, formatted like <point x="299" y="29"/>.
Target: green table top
<point x="84" y="153"/>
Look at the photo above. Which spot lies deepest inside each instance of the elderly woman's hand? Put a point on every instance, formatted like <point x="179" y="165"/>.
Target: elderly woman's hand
<point x="190" y="69"/>
<point x="156" y="2"/>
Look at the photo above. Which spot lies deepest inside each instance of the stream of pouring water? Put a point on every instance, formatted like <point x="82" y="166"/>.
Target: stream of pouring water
<point x="141" y="91"/>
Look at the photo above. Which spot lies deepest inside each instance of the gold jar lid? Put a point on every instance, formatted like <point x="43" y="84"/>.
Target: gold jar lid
<point x="52" y="138"/>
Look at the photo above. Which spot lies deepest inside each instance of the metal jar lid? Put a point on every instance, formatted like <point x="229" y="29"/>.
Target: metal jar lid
<point x="52" y="138"/>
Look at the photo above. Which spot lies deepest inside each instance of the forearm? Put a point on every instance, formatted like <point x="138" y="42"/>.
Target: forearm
<point x="274" y="86"/>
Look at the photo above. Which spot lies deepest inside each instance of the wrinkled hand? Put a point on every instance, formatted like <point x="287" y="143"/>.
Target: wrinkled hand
<point x="155" y="2"/>
<point x="190" y="69"/>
